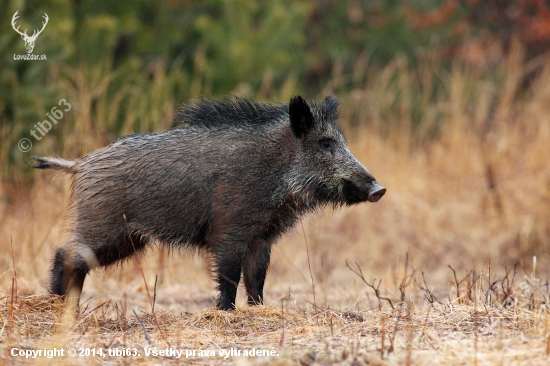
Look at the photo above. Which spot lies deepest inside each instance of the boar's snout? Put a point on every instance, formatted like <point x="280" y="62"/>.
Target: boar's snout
<point x="376" y="191"/>
<point x="368" y="190"/>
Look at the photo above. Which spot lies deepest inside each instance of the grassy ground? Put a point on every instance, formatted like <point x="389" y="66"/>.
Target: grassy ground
<point x="460" y="243"/>
<point x="450" y="334"/>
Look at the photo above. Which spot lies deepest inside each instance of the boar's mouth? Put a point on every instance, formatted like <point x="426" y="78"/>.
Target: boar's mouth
<point x="371" y="192"/>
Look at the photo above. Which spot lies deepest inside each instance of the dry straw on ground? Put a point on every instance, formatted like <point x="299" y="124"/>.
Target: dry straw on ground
<point x="451" y="332"/>
<point x="453" y="242"/>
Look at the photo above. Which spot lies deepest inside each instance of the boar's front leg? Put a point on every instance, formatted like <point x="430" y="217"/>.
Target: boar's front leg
<point x="255" y="264"/>
<point x="228" y="258"/>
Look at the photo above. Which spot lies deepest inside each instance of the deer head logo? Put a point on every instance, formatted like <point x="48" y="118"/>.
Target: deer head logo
<point x="29" y="41"/>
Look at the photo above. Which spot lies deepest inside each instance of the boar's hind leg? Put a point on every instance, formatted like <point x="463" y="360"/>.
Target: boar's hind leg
<point x="71" y="264"/>
<point x="255" y="264"/>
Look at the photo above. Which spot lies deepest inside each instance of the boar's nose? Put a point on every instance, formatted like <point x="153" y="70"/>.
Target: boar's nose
<point x="376" y="191"/>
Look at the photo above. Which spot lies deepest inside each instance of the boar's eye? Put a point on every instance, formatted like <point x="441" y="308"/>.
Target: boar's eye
<point x="327" y="146"/>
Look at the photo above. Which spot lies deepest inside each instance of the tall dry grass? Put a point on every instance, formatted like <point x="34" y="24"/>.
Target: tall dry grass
<point x="466" y="183"/>
<point x="464" y="155"/>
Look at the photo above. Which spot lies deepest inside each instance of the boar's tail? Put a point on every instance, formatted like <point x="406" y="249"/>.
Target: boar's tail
<point x="50" y="163"/>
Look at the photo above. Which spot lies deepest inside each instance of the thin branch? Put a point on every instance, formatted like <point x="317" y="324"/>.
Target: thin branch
<point x="136" y="257"/>
<point x="142" y="327"/>
<point x="307" y="251"/>
<point x="359" y="273"/>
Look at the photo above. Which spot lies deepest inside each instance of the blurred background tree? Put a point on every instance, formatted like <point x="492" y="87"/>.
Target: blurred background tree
<point x="446" y="100"/>
<point x="126" y="65"/>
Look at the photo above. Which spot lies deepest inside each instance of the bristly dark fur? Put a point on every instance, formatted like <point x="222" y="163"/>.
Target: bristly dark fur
<point x="328" y="108"/>
<point x="229" y="179"/>
<point x="228" y="113"/>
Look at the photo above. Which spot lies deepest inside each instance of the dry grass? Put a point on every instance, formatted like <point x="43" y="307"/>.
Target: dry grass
<point x="448" y="333"/>
<point x="475" y="197"/>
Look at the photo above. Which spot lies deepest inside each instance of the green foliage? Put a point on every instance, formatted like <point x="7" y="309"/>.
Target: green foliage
<point x="125" y="65"/>
<point x="381" y="29"/>
<point x="246" y="39"/>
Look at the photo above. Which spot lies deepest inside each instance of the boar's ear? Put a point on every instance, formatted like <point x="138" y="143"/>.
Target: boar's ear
<point x="329" y="108"/>
<point x="301" y="118"/>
